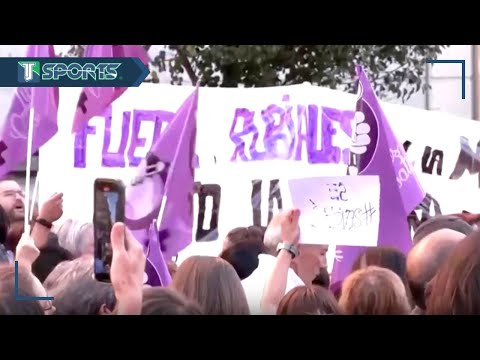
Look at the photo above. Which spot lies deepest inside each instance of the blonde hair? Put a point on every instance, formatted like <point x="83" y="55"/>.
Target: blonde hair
<point x="374" y="291"/>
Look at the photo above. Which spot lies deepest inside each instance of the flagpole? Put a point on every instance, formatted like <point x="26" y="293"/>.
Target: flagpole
<point x="26" y="224"/>
<point x="34" y="196"/>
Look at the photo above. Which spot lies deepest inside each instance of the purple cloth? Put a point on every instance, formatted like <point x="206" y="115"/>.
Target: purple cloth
<point x="44" y="101"/>
<point x="94" y="101"/>
<point x="400" y="190"/>
<point x="166" y="175"/>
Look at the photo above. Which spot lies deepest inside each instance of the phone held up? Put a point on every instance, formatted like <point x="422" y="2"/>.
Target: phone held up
<point x="109" y="208"/>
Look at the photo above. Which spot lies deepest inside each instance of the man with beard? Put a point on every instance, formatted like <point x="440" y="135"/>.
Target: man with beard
<point x="12" y="200"/>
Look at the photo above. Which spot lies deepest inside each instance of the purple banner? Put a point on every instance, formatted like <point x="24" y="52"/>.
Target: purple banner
<point x="131" y="119"/>
<point x="277" y="132"/>
<point x="287" y="130"/>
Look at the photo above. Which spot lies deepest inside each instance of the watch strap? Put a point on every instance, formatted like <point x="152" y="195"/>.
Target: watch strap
<point x="44" y="223"/>
<point x="292" y="249"/>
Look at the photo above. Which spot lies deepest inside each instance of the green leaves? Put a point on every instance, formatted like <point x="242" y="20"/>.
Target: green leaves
<point x="396" y="70"/>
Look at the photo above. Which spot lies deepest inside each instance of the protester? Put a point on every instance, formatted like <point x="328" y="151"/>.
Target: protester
<point x="164" y="301"/>
<point x="212" y="283"/>
<point x="76" y="292"/>
<point x="76" y="237"/>
<point x="424" y="260"/>
<point x="322" y="279"/>
<point x="13" y="202"/>
<point x="256" y="284"/>
<point x="374" y="291"/>
<point x="27" y="287"/>
<point x="6" y="256"/>
<point x="455" y="288"/>
<point x="50" y="256"/>
<point x="243" y="256"/>
<point x="384" y="257"/>
<point x="435" y="223"/>
<point x="311" y="300"/>
<point x="239" y="235"/>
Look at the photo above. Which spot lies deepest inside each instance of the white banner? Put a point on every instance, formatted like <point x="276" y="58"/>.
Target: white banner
<point x="341" y="210"/>
<point x="238" y="167"/>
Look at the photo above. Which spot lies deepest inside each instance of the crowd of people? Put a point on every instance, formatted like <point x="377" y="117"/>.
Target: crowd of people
<point x="259" y="271"/>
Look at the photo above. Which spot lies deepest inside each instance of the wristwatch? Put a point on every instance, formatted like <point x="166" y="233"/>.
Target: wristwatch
<point x="44" y="223"/>
<point x="292" y="249"/>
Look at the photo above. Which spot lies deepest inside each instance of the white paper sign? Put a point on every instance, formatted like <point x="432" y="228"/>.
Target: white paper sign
<point x="338" y="210"/>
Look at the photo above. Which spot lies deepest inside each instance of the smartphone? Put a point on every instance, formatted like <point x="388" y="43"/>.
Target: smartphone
<point x="109" y="208"/>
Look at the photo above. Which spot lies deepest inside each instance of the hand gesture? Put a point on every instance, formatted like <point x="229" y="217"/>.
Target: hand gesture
<point x="127" y="270"/>
<point x="26" y="252"/>
<point x="52" y="209"/>
<point x="360" y="139"/>
<point x="289" y="227"/>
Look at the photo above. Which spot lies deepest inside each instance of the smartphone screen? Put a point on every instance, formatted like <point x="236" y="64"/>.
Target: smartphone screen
<point x="109" y="208"/>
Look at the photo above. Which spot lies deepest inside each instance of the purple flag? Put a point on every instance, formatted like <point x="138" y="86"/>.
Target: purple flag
<point x="166" y="176"/>
<point x="400" y="190"/>
<point x="157" y="268"/>
<point x="44" y="101"/>
<point x="94" y="101"/>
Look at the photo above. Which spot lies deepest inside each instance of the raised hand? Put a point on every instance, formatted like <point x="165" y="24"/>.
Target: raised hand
<point x="52" y="209"/>
<point x="127" y="270"/>
<point x="360" y="140"/>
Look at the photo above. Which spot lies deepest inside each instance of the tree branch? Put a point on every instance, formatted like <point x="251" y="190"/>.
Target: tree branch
<point x="187" y="65"/>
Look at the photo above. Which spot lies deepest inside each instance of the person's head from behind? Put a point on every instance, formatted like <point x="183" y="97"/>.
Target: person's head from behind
<point x="76" y="237"/>
<point x="28" y="286"/>
<point x="308" y="300"/>
<point x="243" y="234"/>
<point x="243" y="257"/>
<point x="12" y="199"/>
<point x="213" y="284"/>
<point x="384" y="257"/>
<point x="440" y="222"/>
<point x="455" y="289"/>
<point x="426" y="257"/>
<point x="76" y="292"/>
<point x="322" y="279"/>
<point x="311" y="258"/>
<point x="374" y="291"/>
<point x="164" y="301"/>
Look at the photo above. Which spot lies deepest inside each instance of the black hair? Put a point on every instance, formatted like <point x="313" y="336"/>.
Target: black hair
<point x="243" y="256"/>
<point x="440" y="222"/>
<point x="4" y="226"/>
<point x="49" y="258"/>
<point x="322" y="279"/>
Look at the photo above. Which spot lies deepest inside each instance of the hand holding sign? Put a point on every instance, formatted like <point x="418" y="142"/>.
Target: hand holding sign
<point x="338" y="210"/>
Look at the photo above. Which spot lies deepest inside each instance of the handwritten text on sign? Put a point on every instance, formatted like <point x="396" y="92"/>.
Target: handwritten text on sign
<point x="338" y="210"/>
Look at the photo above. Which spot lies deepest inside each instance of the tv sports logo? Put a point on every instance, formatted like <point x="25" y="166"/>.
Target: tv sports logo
<point x="72" y="72"/>
<point x="29" y="71"/>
